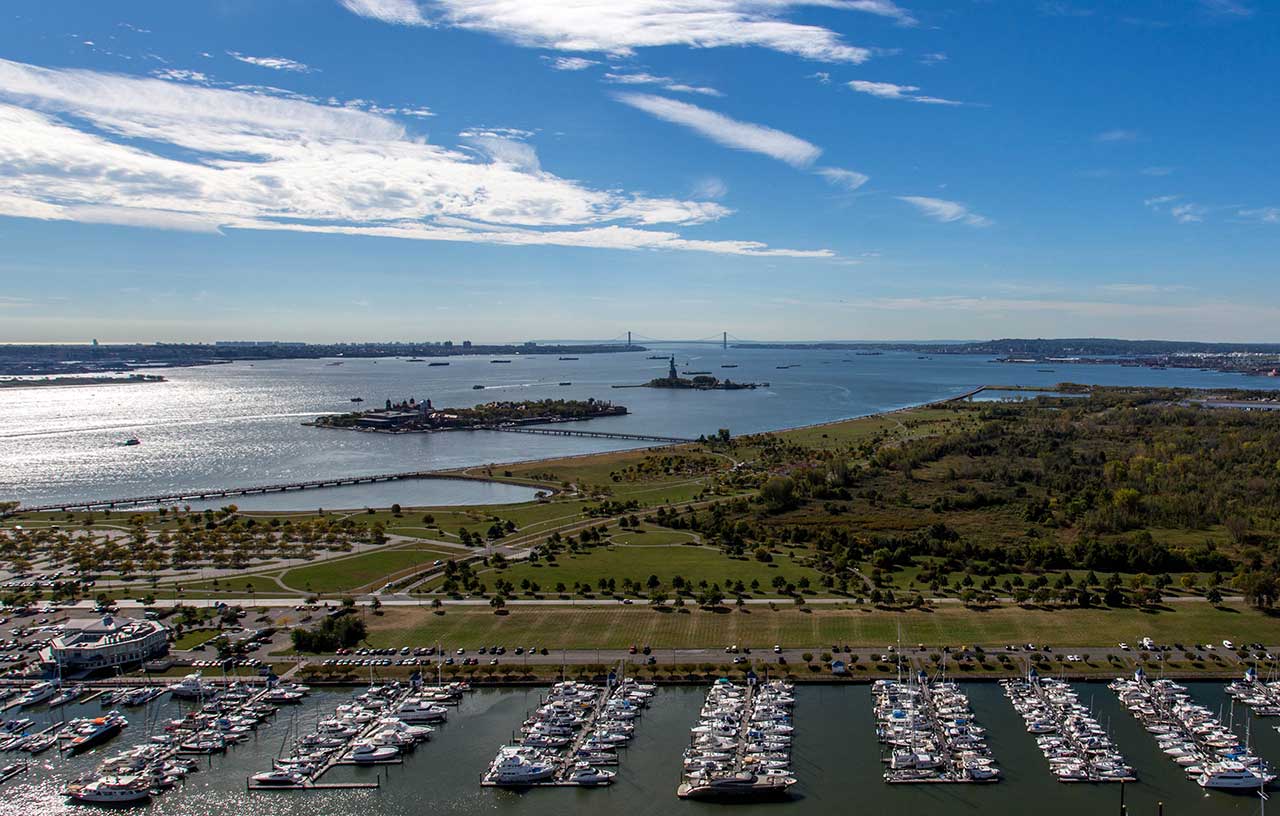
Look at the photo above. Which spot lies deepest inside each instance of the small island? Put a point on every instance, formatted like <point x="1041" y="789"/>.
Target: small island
<point x="698" y="382"/>
<point x="414" y="416"/>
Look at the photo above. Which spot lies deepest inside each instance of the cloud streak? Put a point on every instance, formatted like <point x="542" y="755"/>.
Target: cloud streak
<point x="948" y="212"/>
<point x="105" y="148"/>
<point x="274" y="63"/>
<point x="890" y="90"/>
<point x="724" y="130"/>
<point x="666" y="83"/>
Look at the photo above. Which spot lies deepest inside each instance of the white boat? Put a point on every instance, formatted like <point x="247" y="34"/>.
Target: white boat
<point x="190" y="687"/>
<point x="415" y="710"/>
<point x="37" y="694"/>
<point x="278" y="778"/>
<point x="516" y="770"/>
<point x="1232" y="776"/>
<point x="368" y="752"/>
<point x="112" y="790"/>
<point x="591" y="777"/>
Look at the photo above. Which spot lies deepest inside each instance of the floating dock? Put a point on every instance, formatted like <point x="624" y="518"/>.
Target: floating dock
<point x="740" y="750"/>
<point x="1077" y="747"/>
<point x="932" y="734"/>
<point x="1263" y="698"/>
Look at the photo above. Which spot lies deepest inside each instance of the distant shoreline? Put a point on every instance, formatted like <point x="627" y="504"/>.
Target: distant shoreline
<point x="81" y="382"/>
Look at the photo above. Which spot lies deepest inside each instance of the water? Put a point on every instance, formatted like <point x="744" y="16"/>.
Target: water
<point x="237" y="425"/>
<point x="836" y="761"/>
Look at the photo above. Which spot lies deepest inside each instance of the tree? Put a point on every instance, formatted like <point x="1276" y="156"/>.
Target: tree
<point x="779" y="494"/>
<point x="1213" y="596"/>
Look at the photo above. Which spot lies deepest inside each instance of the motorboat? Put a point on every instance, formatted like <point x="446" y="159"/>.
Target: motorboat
<point x="190" y="687"/>
<point x="37" y="694"/>
<point x="514" y="770"/>
<point x="112" y="790"/>
<point x="364" y="753"/>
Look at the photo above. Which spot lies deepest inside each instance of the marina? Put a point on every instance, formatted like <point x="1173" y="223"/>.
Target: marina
<point x="931" y="733"/>
<point x="578" y="728"/>
<point x="1188" y="733"/>
<point x="740" y="749"/>
<point x="1077" y="748"/>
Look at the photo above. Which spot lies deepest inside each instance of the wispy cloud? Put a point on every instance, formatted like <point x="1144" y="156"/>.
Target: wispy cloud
<point x="890" y="90"/>
<point x="666" y="83"/>
<point x="274" y="63"/>
<point x="729" y="132"/>
<point x="940" y="209"/>
<point x="848" y="179"/>
<point x="622" y="26"/>
<point x="822" y="77"/>
<point x="1227" y="8"/>
<point x="1184" y="212"/>
<point x="1265" y="215"/>
<point x="1143" y="288"/>
<point x="934" y="58"/>
<point x="1157" y="171"/>
<point x="398" y="12"/>
<point x="711" y="187"/>
<point x="1117" y="135"/>
<point x="96" y="147"/>
<point x="571" y="63"/>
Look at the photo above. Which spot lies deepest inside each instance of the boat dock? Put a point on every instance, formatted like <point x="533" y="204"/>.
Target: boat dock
<point x="740" y="749"/>
<point x="335" y="742"/>
<point x="1263" y="698"/>
<point x="577" y="728"/>
<point x="626" y="437"/>
<point x="1077" y="748"/>
<point x="932" y="734"/>
<point x="1190" y="735"/>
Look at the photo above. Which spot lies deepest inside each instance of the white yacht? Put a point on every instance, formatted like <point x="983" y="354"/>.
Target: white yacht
<point x="37" y="694"/>
<point x="1232" y="776"/>
<point x="586" y="775"/>
<point x="515" y="770"/>
<point x="112" y="790"/>
<point x="368" y="752"/>
<point x="415" y="710"/>
<point x="190" y="687"/>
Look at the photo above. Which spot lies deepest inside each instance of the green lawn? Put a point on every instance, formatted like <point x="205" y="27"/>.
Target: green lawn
<point x="237" y="585"/>
<point x="694" y="564"/>
<point x="618" y="627"/>
<point x="347" y="574"/>
<point x="190" y="640"/>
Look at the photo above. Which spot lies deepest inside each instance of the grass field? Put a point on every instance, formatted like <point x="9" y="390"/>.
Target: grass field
<point x="666" y="561"/>
<point x="237" y="585"/>
<point x="619" y="627"/>
<point x="346" y="574"/>
<point x="190" y="640"/>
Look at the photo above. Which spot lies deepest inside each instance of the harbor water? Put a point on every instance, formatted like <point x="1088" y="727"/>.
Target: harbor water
<point x="241" y="424"/>
<point x="836" y="761"/>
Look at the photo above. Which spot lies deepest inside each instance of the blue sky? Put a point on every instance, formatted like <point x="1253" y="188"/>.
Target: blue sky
<point x="505" y="169"/>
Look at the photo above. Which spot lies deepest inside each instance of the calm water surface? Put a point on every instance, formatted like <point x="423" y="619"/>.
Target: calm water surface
<point x="239" y="425"/>
<point x="836" y="761"/>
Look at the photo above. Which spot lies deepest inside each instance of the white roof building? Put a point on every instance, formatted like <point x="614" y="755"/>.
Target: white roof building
<point x="106" y="642"/>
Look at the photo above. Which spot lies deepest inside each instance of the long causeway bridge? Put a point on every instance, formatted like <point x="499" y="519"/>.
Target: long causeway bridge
<point x="288" y="487"/>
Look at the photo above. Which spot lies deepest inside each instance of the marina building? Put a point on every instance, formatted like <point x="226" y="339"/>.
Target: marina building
<point x="91" y="644"/>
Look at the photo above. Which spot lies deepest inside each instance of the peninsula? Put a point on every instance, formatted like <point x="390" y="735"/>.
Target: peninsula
<point x="413" y="416"/>
<point x="64" y="382"/>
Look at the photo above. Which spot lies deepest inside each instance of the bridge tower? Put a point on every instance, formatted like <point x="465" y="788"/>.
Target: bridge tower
<point x="724" y="341"/>
<point x="628" y="339"/>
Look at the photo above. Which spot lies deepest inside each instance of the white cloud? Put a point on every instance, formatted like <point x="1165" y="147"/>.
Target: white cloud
<point x="87" y="146"/>
<point x="848" y="179"/>
<point x="571" y="63"/>
<point x="1143" y="288"/>
<point x="823" y="77"/>
<point x="729" y="132"/>
<point x="890" y="90"/>
<point x="1117" y="135"/>
<point x="398" y="12"/>
<point x="667" y="83"/>
<point x="939" y="209"/>
<point x="934" y="58"/>
<point x="181" y="75"/>
<point x="274" y="63"/>
<point x="622" y="26"/>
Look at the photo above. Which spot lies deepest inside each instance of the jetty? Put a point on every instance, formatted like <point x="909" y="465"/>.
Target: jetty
<point x="626" y="437"/>
<point x="931" y="732"/>
<point x="1077" y="748"/>
<point x="740" y="750"/>
<point x="1189" y="734"/>
<point x="576" y="729"/>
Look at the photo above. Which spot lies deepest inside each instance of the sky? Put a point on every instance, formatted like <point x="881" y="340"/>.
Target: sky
<point x="499" y="170"/>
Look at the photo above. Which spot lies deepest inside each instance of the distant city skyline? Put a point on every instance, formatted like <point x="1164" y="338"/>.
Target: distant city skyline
<point x="335" y="170"/>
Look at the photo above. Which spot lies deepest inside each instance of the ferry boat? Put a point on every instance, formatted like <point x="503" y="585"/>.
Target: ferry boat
<point x="429" y="365"/>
